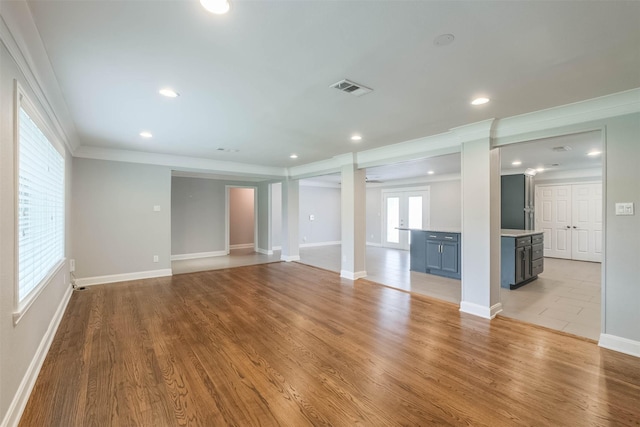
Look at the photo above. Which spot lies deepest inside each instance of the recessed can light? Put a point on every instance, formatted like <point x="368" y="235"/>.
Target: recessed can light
<point x="479" y="101"/>
<point x="169" y="93"/>
<point x="430" y="172"/>
<point x="356" y="138"/>
<point x="219" y="7"/>
<point x="516" y="163"/>
<point x="146" y="134"/>
<point x="540" y="169"/>
<point x="594" y="153"/>
<point x="294" y="156"/>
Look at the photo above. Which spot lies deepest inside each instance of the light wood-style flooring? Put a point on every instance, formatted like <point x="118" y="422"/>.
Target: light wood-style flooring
<point x="292" y="345"/>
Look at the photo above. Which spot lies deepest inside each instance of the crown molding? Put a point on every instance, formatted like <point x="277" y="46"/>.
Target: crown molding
<point x="189" y="164"/>
<point x="16" y="41"/>
<point x="604" y="107"/>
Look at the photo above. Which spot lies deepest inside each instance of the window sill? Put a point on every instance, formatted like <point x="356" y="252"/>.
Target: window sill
<point x="24" y="305"/>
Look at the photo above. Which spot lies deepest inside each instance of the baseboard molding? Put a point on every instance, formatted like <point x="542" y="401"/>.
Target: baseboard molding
<point x="377" y="245"/>
<point x="313" y="245"/>
<point x="480" y="310"/>
<point x="113" y="278"/>
<point x="264" y="251"/>
<point x="277" y="248"/>
<point x="19" y="402"/>
<point x="197" y="255"/>
<point x="290" y="258"/>
<point x="622" y="345"/>
<point x="352" y="275"/>
<point x="243" y="246"/>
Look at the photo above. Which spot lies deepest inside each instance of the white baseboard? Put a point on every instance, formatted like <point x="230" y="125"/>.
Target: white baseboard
<point x="290" y="258"/>
<point x="264" y="251"/>
<point x="622" y="345"/>
<point x="377" y="245"/>
<point x="480" y="310"/>
<point x="19" y="402"/>
<point x="242" y="246"/>
<point x="277" y="248"/>
<point x="197" y="255"/>
<point x="352" y="275"/>
<point x="113" y="278"/>
<point x="313" y="245"/>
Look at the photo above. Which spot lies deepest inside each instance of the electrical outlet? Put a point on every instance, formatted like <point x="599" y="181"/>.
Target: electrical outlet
<point x="312" y="217"/>
<point x="72" y="265"/>
<point x="156" y="258"/>
<point x="156" y="208"/>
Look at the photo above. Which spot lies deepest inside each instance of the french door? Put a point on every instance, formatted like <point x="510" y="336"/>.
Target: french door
<point x="403" y="209"/>
<point x="571" y="218"/>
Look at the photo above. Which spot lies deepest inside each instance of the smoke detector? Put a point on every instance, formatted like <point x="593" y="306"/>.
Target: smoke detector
<point x="561" y="148"/>
<point x="351" y="87"/>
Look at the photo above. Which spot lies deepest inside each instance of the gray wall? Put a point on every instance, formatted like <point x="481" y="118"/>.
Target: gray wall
<point x="622" y="262"/>
<point x="241" y="216"/>
<point x="19" y="343"/>
<point x="445" y="206"/>
<point x="324" y="203"/>
<point x="115" y="227"/>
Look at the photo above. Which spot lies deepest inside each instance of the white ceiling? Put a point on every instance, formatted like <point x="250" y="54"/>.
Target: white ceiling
<point x="257" y="79"/>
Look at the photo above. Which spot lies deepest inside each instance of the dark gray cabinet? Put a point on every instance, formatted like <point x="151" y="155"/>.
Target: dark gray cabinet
<point x="435" y="253"/>
<point x="522" y="259"/>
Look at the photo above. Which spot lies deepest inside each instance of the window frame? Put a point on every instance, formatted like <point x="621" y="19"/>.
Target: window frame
<point x="22" y="101"/>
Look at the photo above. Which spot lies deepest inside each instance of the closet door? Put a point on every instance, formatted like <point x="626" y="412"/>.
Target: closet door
<point x="586" y="227"/>
<point x="553" y="218"/>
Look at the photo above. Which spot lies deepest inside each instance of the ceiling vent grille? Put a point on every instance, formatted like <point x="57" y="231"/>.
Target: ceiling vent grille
<point x="561" y="149"/>
<point x="351" y="87"/>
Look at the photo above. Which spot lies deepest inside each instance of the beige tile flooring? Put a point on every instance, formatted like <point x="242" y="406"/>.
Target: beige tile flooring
<point x="565" y="297"/>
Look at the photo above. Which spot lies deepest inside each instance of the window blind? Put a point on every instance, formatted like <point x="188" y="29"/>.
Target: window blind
<point x="40" y="206"/>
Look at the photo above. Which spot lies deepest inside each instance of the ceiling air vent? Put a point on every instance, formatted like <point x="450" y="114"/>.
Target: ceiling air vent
<point x="351" y="87"/>
<point x="561" y="149"/>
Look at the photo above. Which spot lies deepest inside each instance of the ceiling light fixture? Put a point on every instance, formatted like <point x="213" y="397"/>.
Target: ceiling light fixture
<point x="169" y="93"/>
<point x="146" y="134"/>
<point x="356" y="138"/>
<point x="516" y="163"/>
<point x="479" y="101"/>
<point x="430" y="172"/>
<point x="219" y="7"/>
<point x="294" y="156"/>
<point x="539" y="169"/>
<point x="594" y="153"/>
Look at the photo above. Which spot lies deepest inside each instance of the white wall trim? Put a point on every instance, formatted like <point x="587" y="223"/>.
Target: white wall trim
<point x="290" y="258"/>
<point x="277" y="248"/>
<point x="620" y="344"/>
<point x="197" y="255"/>
<point x="264" y="251"/>
<point x="352" y="275"/>
<point x="480" y="310"/>
<point x="313" y="245"/>
<point x="243" y="246"/>
<point x="113" y="278"/>
<point x="19" y="402"/>
<point x="375" y="245"/>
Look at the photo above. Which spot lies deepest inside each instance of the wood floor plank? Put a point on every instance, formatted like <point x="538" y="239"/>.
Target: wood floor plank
<point x="289" y="345"/>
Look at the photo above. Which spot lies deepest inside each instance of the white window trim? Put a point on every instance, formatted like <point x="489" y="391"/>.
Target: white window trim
<point x="21" y="100"/>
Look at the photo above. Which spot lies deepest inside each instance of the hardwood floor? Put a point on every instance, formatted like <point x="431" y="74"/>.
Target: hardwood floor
<point x="287" y="344"/>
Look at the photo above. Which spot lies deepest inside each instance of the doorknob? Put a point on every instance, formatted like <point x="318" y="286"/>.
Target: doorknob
<point x="568" y="226"/>
<point x="575" y="226"/>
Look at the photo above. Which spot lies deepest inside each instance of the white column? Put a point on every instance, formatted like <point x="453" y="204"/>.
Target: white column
<point x="353" y="193"/>
<point x="290" y="219"/>
<point x="264" y="218"/>
<point x="480" y="228"/>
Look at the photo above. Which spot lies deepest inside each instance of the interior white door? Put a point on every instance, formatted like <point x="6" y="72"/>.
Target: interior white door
<point x="571" y="218"/>
<point x="404" y="209"/>
<point x="553" y="217"/>
<point x="586" y="228"/>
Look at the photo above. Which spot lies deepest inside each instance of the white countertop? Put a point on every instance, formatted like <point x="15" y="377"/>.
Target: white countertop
<point x="518" y="233"/>
<point x="434" y="229"/>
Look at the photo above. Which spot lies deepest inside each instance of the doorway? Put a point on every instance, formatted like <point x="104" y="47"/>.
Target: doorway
<point x="241" y="218"/>
<point x="403" y="209"/>
<point x="571" y="218"/>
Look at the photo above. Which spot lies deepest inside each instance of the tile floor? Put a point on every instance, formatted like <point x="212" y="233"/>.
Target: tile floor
<point x="565" y="297"/>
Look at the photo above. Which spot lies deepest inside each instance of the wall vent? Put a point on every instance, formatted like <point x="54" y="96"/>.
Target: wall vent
<point x="350" y="87"/>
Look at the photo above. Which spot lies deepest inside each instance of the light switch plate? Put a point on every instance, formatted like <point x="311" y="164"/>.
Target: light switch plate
<point x="156" y="208"/>
<point x="312" y="217"/>
<point x="624" y="209"/>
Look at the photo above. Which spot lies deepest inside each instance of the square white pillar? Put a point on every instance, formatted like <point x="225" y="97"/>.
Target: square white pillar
<point x="353" y="218"/>
<point x="290" y="219"/>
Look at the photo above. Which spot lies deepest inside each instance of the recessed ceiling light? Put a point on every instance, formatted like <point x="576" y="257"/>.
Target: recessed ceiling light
<point x="169" y="93"/>
<point x="356" y="138"/>
<point x="594" y="153"/>
<point x="219" y="7"/>
<point x="479" y="101"/>
<point x="540" y="169"/>
<point x="146" y="134"/>
<point x="430" y="172"/>
<point x="516" y="163"/>
<point x="294" y="156"/>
